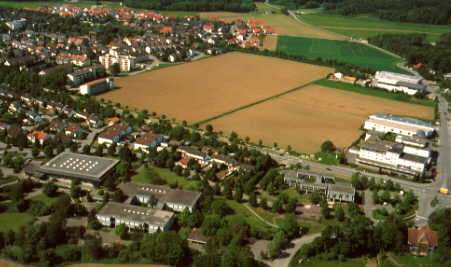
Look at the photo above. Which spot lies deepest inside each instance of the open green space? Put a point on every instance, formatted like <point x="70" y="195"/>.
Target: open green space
<point x="343" y="51"/>
<point x="415" y="261"/>
<point x="254" y="222"/>
<point x="375" y="92"/>
<point x="48" y="201"/>
<point x="34" y="4"/>
<point x="365" y="34"/>
<point x="358" y="262"/>
<point x="169" y="177"/>
<point x="327" y="20"/>
<point x="14" y="220"/>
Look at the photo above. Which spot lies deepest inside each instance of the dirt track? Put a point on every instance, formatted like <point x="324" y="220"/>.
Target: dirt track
<point x="306" y="118"/>
<point x="206" y="88"/>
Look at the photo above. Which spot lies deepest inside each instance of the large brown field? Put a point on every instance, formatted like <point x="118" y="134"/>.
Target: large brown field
<point x="203" y="89"/>
<point x="306" y="118"/>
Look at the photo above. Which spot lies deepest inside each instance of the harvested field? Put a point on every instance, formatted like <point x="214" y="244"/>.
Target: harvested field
<point x="306" y="118"/>
<point x="8" y="263"/>
<point x="270" y="42"/>
<point x="203" y="89"/>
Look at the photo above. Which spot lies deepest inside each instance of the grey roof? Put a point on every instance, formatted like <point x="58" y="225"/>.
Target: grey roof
<point x="403" y="120"/>
<point x="415" y="158"/>
<point x="299" y="173"/>
<point x="136" y="213"/>
<point x="342" y="188"/>
<point x="79" y="166"/>
<point x="418" y="87"/>
<point x="163" y="194"/>
<point x="190" y="150"/>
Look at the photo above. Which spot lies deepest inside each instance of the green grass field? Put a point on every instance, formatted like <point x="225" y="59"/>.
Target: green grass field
<point x="170" y="178"/>
<point x="14" y="220"/>
<point x="374" y="92"/>
<point x="415" y="261"/>
<point x="359" y="262"/>
<point x="179" y="13"/>
<point x="344" y="51"/>
<point x="333" y="22"/>
<point x="365" y="34"/>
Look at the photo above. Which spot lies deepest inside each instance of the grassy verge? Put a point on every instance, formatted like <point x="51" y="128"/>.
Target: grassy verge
<point x="48" y="201"/>
<point x="164" y="65"/>
<point x="375" y="92"/>
<point x="14" y="220"/>
<point x="252" y="104"/>
<point x="170" y="178"/>
<point x="415" y="261"/>
<point x="358" y="262"/>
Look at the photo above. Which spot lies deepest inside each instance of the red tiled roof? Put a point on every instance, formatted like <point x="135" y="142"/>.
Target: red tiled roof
<point x="38" y="134"/>
<point x="423" y="236"/>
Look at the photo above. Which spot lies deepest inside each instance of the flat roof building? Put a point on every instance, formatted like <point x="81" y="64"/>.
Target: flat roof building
<point x="175" y="199"/>
<point x="398" y="125"/>
<point x="91" y="169"/>
<point x="135" y="217"/>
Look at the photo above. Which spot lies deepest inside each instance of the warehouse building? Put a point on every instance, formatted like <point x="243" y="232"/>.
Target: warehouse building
<point x="89" y="170"/>
<point x="176" y="199"/>
<point x="398" y="125"/>
<point x="143" y="219"/>
<point x="396" y="82"/>
<point x="96" y="86"/>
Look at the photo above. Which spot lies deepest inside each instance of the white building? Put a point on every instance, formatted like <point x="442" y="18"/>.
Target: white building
<point x="126" y="63"/>
<point x="135" y="217"/>
<point x="97" y="86"/>
<point x="393" y="156"/>
<point x="398" y="125"/>
<point x="395" y="82"/>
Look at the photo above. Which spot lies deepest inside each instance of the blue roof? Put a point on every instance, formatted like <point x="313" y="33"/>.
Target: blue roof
<point x="404" y="120"/>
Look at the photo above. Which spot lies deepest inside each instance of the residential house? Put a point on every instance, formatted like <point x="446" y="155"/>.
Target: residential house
<point x="421" y="241"/>
<point x="83" y="75"/>
<point x="74" y="131"/>
<point x="148" y="140"/>
<point x="112" y="121"/>
<point x="114" y="134"/>
<point x="57" y="125"/>
<point x="38" y="137"/>
<point x="77" y="60"/>
<point x="190" y="153"/>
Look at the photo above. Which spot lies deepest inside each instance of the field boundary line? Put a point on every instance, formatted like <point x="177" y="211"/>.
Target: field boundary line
<point x="254" y="103"/>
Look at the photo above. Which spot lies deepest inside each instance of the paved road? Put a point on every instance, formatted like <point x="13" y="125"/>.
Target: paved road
<point x="283" y="262"/>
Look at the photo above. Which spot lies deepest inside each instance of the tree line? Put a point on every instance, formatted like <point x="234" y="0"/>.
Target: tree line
<point x="416" y="49"/>
<point x="194" y="5"/>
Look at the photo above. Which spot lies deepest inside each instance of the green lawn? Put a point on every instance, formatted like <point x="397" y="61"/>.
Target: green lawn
<point x="365" y="34"/>
<point x="343" y="51"/>
<point x="170" y="178"/>
<point x="359" y="262"/>
<point x="249" y="217"/>
<point x="326" y="20"/>
<point x="48" y="201"/>
<point x="415" y="261"/>
<point x="293" y="193"/>
<point x="375" y="92"/>
<point x="14" y="220"/>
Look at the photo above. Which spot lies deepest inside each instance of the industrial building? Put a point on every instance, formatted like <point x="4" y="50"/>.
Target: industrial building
<point x="96" y="86"/>
<point x="134" y="217"/>
<point x="89" y="170"/>
<point x="396" y="82"/>
<point x="398" y="125"/>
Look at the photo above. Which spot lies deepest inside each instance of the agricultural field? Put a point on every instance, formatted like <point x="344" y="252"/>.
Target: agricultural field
<point x="14" y="220"/>
<point x="207" y="88"/>
<point x="282" y="24"/>
<point x="270" y="42"/>
<point x="365" y="26"/>
<point x="344" y="51"/>
<point x="304" y="119"/>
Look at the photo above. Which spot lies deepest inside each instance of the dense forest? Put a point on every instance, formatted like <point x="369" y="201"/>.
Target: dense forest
<point x="194" y="5"/>
<point x="416" y="50"/>
<point x="416" y="11"/>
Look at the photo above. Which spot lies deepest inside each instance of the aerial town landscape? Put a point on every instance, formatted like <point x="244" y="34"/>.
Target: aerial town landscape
<point x="231" y="133"/>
